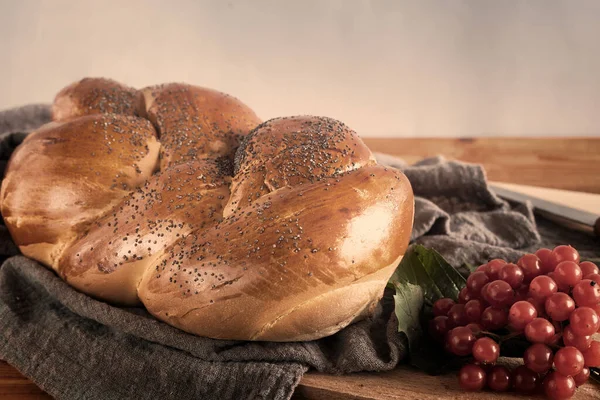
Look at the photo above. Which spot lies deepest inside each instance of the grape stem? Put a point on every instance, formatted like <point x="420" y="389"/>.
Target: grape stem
<point x="501" y="339"/>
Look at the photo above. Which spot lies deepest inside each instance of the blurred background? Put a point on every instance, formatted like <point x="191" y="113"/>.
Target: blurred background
<point x="385" y="67"/>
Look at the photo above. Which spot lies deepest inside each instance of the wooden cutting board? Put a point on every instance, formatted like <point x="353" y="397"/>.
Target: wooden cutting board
<point x="405" y="383"/>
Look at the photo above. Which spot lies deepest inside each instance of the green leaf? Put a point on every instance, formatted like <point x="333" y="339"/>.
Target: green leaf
<point x="427" y="268"/>
<point x="408" y="302"/>
<point x="422" y="277"/>
<point x="469" y="267"/>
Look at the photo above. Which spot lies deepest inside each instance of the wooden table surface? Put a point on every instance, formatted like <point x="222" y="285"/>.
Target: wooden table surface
<point x="561" y="163"/>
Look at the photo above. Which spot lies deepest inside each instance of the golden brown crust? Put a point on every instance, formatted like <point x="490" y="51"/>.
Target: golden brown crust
<point x="66" y="174"/>
<point x="292" y="151"/>
<point x="93" y="96"/>
<point x="302" y="247"/>
<point x="284" y="250"/>
<point x="133" y="234"/>
<point x="195" y="122"/>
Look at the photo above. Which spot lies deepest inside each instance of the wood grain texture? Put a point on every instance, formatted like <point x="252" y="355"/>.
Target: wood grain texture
<point x="404" y="383"/>
<point x="572" y="164"/>
<point x="561" y="163"/>
<point x="589" y="202"/>
<point x="15" y="386"/>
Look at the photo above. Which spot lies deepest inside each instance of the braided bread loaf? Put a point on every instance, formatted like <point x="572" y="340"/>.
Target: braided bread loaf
<point x="177" y="197"/>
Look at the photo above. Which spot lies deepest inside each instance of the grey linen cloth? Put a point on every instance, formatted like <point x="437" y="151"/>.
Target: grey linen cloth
<point x="75" y="347"/>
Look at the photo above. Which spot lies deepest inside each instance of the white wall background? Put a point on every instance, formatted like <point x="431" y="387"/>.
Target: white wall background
<point x="385" y="67"/>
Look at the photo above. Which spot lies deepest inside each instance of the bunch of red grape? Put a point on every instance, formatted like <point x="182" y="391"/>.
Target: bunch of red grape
<point x="548" y="298"/>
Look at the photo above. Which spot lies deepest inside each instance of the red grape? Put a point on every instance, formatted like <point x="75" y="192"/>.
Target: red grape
<point x="521" y="293"/>
<point x="557" y="326"/>
<point x="567" y="274"/>
<point x="475" y="328"/>
<point x="579" y="342"/>
<point x="494" y="318"/>
<point x="473" y="310"/>
<point x="559" y="387"/>
<point x="548" y="260"/>
<point x="499" y="293"/>
<point x="588" y="268"/>
<point x="464" y="296"/>
<point x="566" y="253"/>
<point x="540" y="330"/>
<point x="538" y="357"/>
<point x="494" y="267"/>
<point x="534" y="297"/>
<point x="592" y="355"/>
<point x="554" y="340"/>
<point x="460" y="341"/>
<point x="584" y="321"/>
<point x="438" y="327"/>
<point x="499" y="379"/>
<point x="531" y="266"/>
<point x="476" y="281"/>
<point x="486" y="350"/>
<point x="442" y="306"/>
<point x="582" y="377"/>
<point x="471" y="377"/>
<point x="482" y="268"/>
<point x="559" y="306"/>
<point x="539" y="306"/>
<point x="542" y="287"/>
<point x="457" y="316"/>
<point x="597" y="309"/>
<point x="483" y="295"/>
<point x="568" y="361"/>
<point x="520" y="314"/>
<point x="593" y="277"/>
<point x="525" y="380"/>
<point x="512" y="274"/>
<point x="586" y="293"/>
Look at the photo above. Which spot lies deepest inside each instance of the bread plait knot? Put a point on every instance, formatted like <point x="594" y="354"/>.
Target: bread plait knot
<point x="178" y="198"/>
